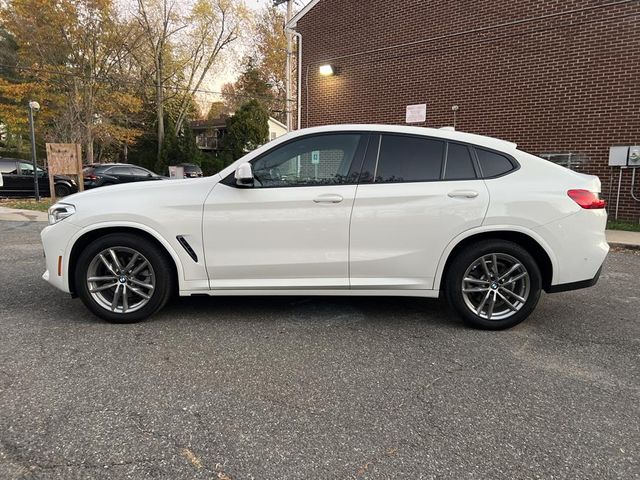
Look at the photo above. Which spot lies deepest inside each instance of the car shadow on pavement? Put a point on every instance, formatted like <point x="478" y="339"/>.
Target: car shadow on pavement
<point x="318" y="309"/>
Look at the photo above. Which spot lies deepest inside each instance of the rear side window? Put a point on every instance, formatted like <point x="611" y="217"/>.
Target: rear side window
<point x="8" y="167"/>
<point x="493" y="164"/>
<point x="459" y="165"/>
<point x="119" y="171"/>
<point x="409" y="159"/>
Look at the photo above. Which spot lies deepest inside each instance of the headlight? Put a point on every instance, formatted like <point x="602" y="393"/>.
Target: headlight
<point x="60" y="211"/>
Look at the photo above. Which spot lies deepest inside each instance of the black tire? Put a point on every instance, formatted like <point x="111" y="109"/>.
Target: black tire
<point x="163" y="274"/>
<point x="466" y="259"/>
<point x="62" y="190"/>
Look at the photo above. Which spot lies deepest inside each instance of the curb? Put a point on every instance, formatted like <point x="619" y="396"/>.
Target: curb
<point x="17" y="215"/>
<point x="625" y="246"/>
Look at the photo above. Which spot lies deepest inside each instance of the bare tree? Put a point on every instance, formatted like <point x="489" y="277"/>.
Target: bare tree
<point x="184" y="47"/>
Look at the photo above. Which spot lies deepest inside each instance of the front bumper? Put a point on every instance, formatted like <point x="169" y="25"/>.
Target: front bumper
<point x="55" y="240"/>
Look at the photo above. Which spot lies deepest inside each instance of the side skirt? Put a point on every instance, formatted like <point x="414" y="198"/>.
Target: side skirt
<point x="311" y="292"/>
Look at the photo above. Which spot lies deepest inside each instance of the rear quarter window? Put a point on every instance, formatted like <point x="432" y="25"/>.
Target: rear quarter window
<point x="493" y="164"/>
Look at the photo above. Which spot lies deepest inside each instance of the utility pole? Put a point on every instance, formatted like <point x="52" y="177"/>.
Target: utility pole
<point x="34" y="106"/>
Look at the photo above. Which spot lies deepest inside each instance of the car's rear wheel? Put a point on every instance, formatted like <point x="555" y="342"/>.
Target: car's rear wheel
<point x="494" y="284"/>
<point x="123" y="278"/>
<point x="62" y="190"/>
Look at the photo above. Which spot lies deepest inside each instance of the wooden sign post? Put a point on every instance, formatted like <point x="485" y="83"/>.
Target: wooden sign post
<point x="64" y="159"/>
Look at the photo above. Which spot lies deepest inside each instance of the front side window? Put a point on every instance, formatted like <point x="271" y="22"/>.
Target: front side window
<point x="318" y="160"/>
<point x="27" y="168"/>
<point x="493" y="164"/>
<point x="141" y="172"/>
<point x="409" y="159"/>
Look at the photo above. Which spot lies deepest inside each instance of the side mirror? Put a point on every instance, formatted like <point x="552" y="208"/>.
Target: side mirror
<point x="244" y="175"/>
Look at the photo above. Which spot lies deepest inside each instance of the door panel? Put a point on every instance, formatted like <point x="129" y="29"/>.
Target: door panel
<point x="399" y="231"/>
<point x="10" y="175"/>
<point x="295" y="237"/>
<point x="422" y="193"/>
<point x="291" y="228"/>
<point x="121" y="173"/>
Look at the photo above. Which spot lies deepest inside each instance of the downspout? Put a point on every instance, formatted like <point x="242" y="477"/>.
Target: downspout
<point x="633" y="185"/>
<point x="287" y="94"/>
<point x="299" y="84"/>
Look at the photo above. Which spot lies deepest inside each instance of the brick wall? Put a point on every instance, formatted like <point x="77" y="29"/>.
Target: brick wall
<point x="554" y="76"/>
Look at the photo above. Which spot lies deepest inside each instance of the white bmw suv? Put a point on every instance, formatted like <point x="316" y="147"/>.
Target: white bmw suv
<point x="340" y="210"/>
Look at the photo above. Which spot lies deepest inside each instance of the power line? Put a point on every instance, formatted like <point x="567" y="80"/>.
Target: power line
<point x="476" y="30"/>
<point x="567" y="26"/>
<point x="132" y="82"/>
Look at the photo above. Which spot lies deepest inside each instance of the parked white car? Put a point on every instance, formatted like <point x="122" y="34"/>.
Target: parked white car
<point x="340" y="210"/>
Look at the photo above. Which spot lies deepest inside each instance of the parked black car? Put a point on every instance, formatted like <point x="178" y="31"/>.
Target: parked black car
<point x="101" y="174"/>
<point x="17" y="180"/>
<point x="191" y="170"/>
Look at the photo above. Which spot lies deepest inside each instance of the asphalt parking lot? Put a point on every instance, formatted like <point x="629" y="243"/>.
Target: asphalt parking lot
<point x="306" y="388"/>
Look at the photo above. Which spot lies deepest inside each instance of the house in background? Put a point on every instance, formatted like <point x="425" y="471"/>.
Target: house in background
<point x="559" y="78"/>
<point x="209" y="133"/>
<point x="276" y="129"/>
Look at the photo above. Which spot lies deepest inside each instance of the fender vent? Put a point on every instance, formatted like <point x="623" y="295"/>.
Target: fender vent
<point x="187" y="248"/>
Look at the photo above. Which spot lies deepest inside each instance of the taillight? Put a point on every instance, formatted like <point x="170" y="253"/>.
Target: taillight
<point x="587" y="199"/>
<point x="90" y="177"/>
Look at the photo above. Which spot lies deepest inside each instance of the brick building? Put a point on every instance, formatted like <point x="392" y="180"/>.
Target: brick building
<point x="560" y="78"/>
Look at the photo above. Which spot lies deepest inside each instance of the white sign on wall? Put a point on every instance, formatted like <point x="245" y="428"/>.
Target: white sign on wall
<point x="417" y="113"/>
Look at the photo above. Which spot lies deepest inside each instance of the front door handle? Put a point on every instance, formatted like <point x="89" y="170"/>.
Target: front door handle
<point x="463" y="194"/>
<point x="328" y="198"/>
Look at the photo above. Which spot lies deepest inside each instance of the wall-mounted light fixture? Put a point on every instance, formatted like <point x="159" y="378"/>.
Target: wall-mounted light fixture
<point x="327" y="70"/>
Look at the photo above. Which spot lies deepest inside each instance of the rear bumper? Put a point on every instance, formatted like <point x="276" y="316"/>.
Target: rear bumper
<point x="567" y="287"/>
<point x="579" y="245"/>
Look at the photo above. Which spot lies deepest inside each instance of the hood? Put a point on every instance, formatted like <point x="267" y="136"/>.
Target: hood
<point x="154" y="204"/>
<point x="141" y="191"/>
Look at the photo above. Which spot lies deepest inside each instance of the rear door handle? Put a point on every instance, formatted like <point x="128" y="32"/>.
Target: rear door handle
<point x="328" y="198"/>
<point x="463" y="194"/>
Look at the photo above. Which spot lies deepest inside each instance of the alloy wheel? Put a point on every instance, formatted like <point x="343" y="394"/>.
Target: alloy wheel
<point x="496" y="286"/>
<point x="121" y="280"/>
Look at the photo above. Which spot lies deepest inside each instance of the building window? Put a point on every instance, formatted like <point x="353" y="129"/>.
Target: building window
<point x="573" y="161"/>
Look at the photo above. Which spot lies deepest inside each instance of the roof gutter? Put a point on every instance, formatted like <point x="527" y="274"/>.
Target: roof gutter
<point x="293" y="23"/>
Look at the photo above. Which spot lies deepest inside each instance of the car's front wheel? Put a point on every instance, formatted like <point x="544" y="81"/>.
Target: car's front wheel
<point x="123" y="278"/>
<point x="494" y="284"/>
